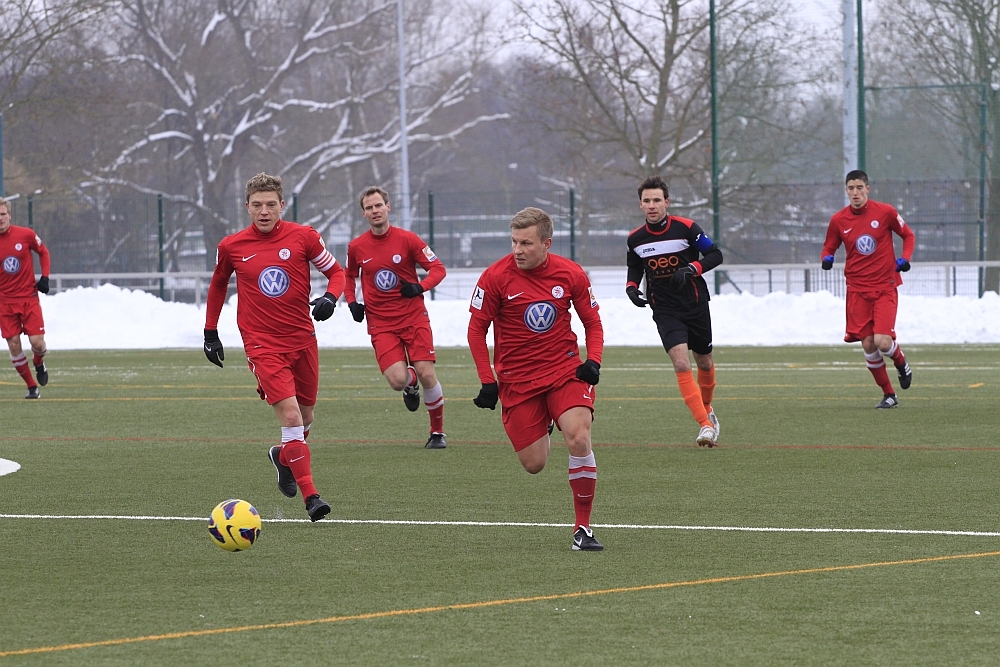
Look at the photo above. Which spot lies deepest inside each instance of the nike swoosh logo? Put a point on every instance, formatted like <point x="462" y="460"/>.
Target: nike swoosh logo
<point x="586" y="397"/>
<point x="250" y="257"/>
<point x="848" y="231"/>
<point x="431" y="351"/>
<point x="208" y="348"/>
<point x="514" y="296"/>
<point x="298" y="459"/>
<point x="365" y="261"/>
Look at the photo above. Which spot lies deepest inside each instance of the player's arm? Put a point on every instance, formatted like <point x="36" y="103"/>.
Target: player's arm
<point x="830" y="245"/>
<point x="351" y="285"/>
<point x="711" y="256"/>
<point x="484" y="307"/>
<point x="44" y="262"/>
<point x="909" y="242"/>
<point x="633" y="277"/>
<point x="587" y="309"/>
<point x="213" y="306"/>
<point x="425" y="257"/>
<point x="326" y="264"/>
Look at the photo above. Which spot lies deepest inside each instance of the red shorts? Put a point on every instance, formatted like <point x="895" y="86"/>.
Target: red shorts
<point x="870" y="313"/>
<point x="414" y="343"/>
<point x="19" y="316"/>
<point x="528" y="410"/>
<point x="281" y="375"/>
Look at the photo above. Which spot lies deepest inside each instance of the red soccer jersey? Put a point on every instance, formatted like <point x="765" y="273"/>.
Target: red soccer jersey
<point x="532" y="336"/>
<point x="383" y="261"/>
<point x="867" y="235"/>
<point x="17" y="280"/>
<point x="272" y="282"/>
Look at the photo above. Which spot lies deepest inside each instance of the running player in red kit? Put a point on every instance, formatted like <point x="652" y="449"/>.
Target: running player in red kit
<point x="673" y="253"/>
<point x="873" y="274"/>
<point x="20" y="310"/>
<point x="271" y="260"/>
<point x="526" y="296"/>
<point x="386" y="258"/>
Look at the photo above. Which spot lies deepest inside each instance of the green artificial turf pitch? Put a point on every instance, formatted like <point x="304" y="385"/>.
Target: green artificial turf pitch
<point x="166" y="434"/>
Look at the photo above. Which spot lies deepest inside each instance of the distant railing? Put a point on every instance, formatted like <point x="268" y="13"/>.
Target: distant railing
<point x="924" y="279"/>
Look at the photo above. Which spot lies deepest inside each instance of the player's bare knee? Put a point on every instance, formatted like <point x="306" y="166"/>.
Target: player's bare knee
<point x="533" y="467"/>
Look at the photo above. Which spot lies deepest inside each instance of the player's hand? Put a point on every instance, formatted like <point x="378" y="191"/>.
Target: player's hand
<point x="682" y="274"/>
<point x="357" y="310"/>
<point x="323" y="307"/>
<point x="828" y="262"/>
<point x="489" y="394"/>
<point x="43" y="284"/>
<point x="410" y="290"/>
<point x="902" y="265"/>
<point x="213" y="347"/>
<point x="633" y="293"/>
<point x="589" y="371"/>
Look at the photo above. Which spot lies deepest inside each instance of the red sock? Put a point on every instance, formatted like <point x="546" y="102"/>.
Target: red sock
<point x="706" y="381"/>
<point x="434" y="400"/>
<point x="305" y="431"/>
<point x="896" y="354"/>
<point x="692" y="397"/>
<point x="296" y="456"/>
<point x="37" y="359"/>
<point x="21" y="366"/>
<point x="877" y="366"/>
<point x="583" y="482"/>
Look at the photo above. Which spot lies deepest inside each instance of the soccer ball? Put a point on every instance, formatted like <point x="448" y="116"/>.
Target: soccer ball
<point x="234" y="525"/>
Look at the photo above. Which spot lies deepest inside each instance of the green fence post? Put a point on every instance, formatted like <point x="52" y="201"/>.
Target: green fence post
<point x="159" y="224"/>
<point x="295" y="207"/>
<point x="31" y="212"/>
<point x="430" y="225"/>
<point x="572" y="224"/>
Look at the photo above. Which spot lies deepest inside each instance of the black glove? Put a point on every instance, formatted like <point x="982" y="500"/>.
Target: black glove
<point x="633" y="293"/>
<point x="901" y="265"/>
<point x="323" y="307"/>
<point x="357" y="310"/>
<point x="410" y="290"/>
<point x="828" y="262"/>
<point x="43" y="283"/>
<point x="682" y="274"/>
<point x="213" y="347"/>
<point x="489" y="394"/>
<point x="589" y="371"/>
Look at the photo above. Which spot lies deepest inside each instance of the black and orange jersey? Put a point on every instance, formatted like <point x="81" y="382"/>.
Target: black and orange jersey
<point x="658" y="251"/>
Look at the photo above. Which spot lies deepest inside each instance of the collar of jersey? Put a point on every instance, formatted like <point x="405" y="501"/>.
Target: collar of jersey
<point x="860" y="211"/>
<point x="261" y="234"/>
<point x="665" y="222"/>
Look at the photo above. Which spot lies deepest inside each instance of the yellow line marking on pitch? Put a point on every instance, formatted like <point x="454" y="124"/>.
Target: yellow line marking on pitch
<point x="977" y="385"/>
<point x="486" y="603"/>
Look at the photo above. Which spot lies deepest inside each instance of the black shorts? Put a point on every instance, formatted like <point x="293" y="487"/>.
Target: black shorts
<point x="693" y="328"/>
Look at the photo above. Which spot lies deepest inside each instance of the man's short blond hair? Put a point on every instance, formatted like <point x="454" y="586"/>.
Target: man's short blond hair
<point x="373" y="190"/>
<point x="5" y="204"/>
<point x="533" y="217"/>
<point x="264" y="183"/>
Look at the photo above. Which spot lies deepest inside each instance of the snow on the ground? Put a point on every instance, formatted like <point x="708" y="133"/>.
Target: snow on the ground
<point x="109" y="317"/>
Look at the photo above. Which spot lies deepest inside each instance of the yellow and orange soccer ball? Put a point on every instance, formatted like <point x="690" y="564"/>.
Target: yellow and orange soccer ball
<point x="234" y="525"/>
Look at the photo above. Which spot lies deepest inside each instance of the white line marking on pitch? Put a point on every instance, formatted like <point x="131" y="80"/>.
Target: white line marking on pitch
<point x="7" y="467"/>
<point x="523" y="524"/>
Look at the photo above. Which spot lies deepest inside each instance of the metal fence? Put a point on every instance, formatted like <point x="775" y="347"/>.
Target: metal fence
<point x="126" y="232"/>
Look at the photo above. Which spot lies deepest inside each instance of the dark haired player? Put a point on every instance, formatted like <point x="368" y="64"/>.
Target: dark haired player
<point x="673" y="253"/>
<point x="526" y="296"/>
<point x="872" y="271"/>
<point x="386" y="257"/>
<point x="20" y="310"/>
<point x="271" y="260"/>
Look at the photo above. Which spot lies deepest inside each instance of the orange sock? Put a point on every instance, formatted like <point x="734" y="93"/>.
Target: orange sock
<point x="692" y="397"/>
<point x="706" y="380"/>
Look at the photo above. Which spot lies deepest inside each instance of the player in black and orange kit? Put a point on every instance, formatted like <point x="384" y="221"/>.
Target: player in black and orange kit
<point x="20" y="310"/>
<point x="386" y="258"/>
<point x="872" y="271"/>
<point x="271" y="260"/>
<point x="526" y="296"/>
<point x="666" y="251"/>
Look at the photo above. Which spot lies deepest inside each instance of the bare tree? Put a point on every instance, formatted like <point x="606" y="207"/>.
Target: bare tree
<point x="954" y="44"/>
<point x="628" y="82"/>
<point x="302" y="88"/>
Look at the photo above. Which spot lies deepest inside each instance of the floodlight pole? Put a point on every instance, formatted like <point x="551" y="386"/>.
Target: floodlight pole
<point x="1" y="154"/>
<point x="404" y="157"/>
<point x="715" y="135"/>
<point x="849" y="98"/>
<point x="861" y="90"/>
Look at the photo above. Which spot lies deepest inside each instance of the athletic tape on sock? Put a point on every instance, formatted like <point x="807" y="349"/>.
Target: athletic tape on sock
<point x="434" y="397"/>
<point x="291" y="433"/>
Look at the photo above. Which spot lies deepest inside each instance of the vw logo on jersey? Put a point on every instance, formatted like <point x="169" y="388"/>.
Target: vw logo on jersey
<point x="865" y="244"/>
<point x="273" y="281"/>
<point x="12" y="264"/>
<point x="540" y="316"/>
<point x="386" y="280"/>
